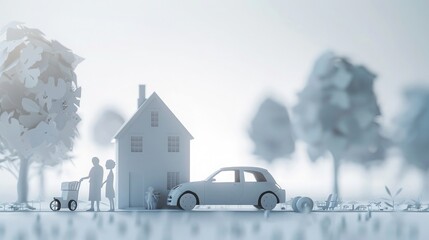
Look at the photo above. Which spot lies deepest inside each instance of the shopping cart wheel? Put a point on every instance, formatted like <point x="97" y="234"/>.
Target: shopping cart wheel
<point x="72" y="205"/>
<point x="55" y="205"/>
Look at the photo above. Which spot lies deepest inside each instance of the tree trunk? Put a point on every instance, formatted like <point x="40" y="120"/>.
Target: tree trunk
<point x="42" y="182"/>
<point x="336" y="174"/>
<point x="425" y="192"/>
<point x="368" y="187"/>
<point x="23" y="181"/>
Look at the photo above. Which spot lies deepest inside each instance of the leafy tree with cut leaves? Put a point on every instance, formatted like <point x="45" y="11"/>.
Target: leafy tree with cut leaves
<point x="413" y="131"/>
<point x="337" y="112"/>
<point x="271" y="131"/>
<point x="39" y="99"/>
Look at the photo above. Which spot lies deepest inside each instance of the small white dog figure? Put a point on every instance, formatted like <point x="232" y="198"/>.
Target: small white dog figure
<point x="151" y="198"/>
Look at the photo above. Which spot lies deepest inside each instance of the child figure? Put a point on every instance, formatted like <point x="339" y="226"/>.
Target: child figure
<point x="151" y="199"/>
<point x="110" y="192"/>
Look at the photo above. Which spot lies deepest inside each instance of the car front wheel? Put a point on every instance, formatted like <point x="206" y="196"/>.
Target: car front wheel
<point x="268" y="201"/>
<point x="187" y="201"/>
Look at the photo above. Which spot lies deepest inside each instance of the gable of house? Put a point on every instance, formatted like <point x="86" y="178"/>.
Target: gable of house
<point x="146" y="107"/>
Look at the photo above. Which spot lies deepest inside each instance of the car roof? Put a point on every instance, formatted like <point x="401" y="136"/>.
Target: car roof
<point x="245" y="168"/>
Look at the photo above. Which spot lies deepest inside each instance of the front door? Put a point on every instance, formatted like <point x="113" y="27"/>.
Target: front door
<point x="136" y="190"/>
<point x="224" y="188"/>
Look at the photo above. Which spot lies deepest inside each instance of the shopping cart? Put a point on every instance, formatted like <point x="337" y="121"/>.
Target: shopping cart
<point x="70" y="192"/>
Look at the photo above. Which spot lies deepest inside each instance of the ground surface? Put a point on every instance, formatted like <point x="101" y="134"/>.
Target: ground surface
<point x="212" y="224"/>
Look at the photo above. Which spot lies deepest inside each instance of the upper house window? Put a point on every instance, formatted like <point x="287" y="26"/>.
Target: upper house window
<point x="173" y="143"/>
<point x="136" y="144"/>
<point x="154" y="117"/>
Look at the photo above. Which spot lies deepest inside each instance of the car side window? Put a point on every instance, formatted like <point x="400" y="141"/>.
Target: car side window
<point x="254" y="176"/>
<point x="228" y="176"/>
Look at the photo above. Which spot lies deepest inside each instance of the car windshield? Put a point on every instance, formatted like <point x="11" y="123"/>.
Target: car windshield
<point x="224" y="176"/>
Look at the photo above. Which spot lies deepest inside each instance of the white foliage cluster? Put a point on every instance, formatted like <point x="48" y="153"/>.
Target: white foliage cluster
<point x="271" y="131"/>
<point x="414" y="128"/>
<point x="39" y="95"/>
<point x="337" y="111"/>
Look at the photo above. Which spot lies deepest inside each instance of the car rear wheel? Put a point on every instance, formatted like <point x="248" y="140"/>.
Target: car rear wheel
<point x="268" y="201"/>
<point x="187" y="201"/>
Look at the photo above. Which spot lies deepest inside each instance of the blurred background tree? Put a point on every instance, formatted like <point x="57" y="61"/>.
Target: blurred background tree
<point x="413" y="132"/>
<point x="337" y="112"/>
<point x="271" y="131"/>
<point x="106" y="125"/>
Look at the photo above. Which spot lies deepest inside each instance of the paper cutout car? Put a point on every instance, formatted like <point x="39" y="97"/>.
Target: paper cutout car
<point x="230" y="186"/>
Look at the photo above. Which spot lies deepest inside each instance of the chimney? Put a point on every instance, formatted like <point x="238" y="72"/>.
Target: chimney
<point x="142" y="95"/>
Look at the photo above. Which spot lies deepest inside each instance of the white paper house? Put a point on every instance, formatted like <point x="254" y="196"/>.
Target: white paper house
<point x="152" y="151"/>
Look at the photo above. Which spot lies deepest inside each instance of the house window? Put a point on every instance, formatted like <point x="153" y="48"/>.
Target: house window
<point x="136" y="144"/>
<point x="172" y="180"/>
<point x="173" y="144"/>
<point x="154" y="117"/>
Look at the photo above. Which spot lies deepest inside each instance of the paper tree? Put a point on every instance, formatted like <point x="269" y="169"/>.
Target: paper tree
<point x="271" y="131"/>
<point x="39" y="99"/>
<point x="413" y="131"/>
<point x="337" y="112"/>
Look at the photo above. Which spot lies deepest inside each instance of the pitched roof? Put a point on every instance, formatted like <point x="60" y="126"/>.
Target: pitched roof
<point x="141" y="109"/>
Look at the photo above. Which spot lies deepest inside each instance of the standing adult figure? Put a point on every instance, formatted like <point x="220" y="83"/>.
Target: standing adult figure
<point x="95" y="182"/>
<point x="110" y="192"/>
